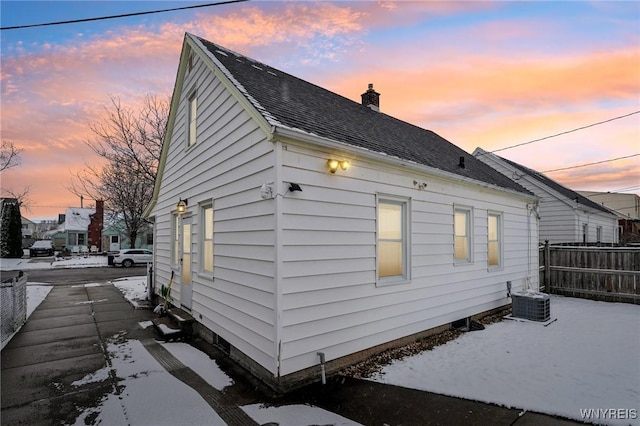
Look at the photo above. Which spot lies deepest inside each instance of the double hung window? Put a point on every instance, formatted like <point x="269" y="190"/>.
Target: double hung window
<point x="463" y="226"/>
<point x="393" y="239"/>
<point x="494" y="240"/>
<point x="192" y="114"/>
<point x="207" y="239"/>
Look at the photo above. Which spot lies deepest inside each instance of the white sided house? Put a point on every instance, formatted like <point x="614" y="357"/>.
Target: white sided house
<point x="565" y="215"/>
<point x="313" y="224"/>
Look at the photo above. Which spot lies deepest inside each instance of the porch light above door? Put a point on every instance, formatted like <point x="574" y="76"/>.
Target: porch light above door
<point x="182" y="205"/>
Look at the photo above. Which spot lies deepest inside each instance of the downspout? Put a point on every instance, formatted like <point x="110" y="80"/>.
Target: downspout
<point x="532" y="209"/>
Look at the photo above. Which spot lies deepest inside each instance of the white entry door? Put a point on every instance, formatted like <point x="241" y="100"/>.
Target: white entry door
<point x="114" y="243"/>
<point x="186" y="290"/>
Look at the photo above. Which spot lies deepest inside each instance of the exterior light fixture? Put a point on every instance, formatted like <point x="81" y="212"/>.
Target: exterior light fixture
<point x="333" y="165"/>
<point x="182" y="205"/>
<point x="294" y="187"/>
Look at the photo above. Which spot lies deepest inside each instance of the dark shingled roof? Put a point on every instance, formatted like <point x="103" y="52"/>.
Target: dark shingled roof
<point x="572" y="195"/>
<point x="298" y="104"/>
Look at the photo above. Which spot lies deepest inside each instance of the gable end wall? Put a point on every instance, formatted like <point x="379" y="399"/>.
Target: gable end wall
<point x="226" y="168"/>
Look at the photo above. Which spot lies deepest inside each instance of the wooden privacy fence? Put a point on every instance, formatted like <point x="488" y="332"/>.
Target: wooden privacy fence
<point x="599" y="273"/>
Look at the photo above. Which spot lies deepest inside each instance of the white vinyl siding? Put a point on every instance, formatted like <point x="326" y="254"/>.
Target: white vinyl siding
<point x="331" y="302"/>
<point x="228" y="164"/>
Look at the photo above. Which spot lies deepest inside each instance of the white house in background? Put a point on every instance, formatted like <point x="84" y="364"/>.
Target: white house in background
<point x="315" y="224"/>
<point x="565" y="215"/>
<point x="28" y="228"/>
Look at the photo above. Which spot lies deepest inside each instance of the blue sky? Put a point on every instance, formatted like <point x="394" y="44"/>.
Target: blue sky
<point x="488" y="74"/>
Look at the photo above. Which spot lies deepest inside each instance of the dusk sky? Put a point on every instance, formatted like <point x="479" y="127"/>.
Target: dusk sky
<point x="480" y="74"/>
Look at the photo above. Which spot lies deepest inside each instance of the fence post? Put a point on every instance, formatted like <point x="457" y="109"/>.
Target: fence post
<point x="547" y="267"/>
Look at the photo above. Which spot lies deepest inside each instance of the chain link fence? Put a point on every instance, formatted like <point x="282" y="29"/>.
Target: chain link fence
<point x="13" y="304"/>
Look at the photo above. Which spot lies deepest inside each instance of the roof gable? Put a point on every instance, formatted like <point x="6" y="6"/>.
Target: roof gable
<point x="287" y="101"/>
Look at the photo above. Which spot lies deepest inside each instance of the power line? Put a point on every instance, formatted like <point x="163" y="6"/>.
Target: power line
<point x="564" y="133"/>
<point x="591" y="164"/>
<point x="599" y="193"/>
<point x="124" y="15"/>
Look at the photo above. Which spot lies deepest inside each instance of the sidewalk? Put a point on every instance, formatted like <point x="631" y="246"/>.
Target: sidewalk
<point x="67" y="337"/>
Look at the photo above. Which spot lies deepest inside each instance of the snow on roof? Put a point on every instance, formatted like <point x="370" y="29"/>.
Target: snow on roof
<point x="78" y="219"/>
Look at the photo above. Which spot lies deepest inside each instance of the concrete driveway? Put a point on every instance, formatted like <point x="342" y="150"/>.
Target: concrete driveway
<point x="66" y="339"/>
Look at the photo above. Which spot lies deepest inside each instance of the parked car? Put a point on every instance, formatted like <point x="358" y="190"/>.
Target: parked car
<point x="41" y="247"/>
<point x="130" y="257"/>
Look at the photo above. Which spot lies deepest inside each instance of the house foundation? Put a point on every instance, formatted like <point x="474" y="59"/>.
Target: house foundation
<point x="310" y="375"/>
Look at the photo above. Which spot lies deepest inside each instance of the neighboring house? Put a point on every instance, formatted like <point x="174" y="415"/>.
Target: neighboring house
<point x="565" y="215"/>
<point x="81" y="227"/>
<point x="626" y="206"/>
<point x="114" y="239"/>
<point x="299" y="222"/>
<point x="28" y="228"/>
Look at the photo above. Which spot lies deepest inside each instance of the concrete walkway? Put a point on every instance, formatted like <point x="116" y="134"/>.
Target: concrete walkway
<point x="66" y="338"/>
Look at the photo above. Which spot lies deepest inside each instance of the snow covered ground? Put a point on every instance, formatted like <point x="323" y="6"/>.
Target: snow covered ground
<point x="26" y="263"/>
<point x="146" y="382"/>
<point x="142" y="383"/>
<point x="134" y="289"/>
<point x="589" y="359"/>
<point x="585" y="366"/>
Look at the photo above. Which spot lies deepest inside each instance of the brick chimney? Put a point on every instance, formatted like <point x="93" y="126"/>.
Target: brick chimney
<point x="96" y="225"/>
<point x="371" y="98"/>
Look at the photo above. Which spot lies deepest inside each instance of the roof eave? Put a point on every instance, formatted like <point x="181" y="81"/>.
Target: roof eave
<point x="539" y="184"/>
<point x="285" y="134"/>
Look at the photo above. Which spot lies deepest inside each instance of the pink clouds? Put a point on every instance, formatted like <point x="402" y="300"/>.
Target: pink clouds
<point x="466" y="86"/>
<point x="499" y="83"/>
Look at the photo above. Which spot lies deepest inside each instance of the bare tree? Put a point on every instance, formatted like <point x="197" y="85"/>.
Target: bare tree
<point x="22" y="196"/>
<point x="131" y="142"/>
<point x="9" y="155"/>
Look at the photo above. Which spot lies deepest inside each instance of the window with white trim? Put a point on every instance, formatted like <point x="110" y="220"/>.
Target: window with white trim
<point x="494" y="240"/>
<point x="207" y="239"/>
<point x="393" y="239"/>
<point x="462" y="234"/>
<point x="599" y="234"/>
<point x="175" y="239"/>
<point x="192" y="114"/>
<point x="585" y="233"/>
